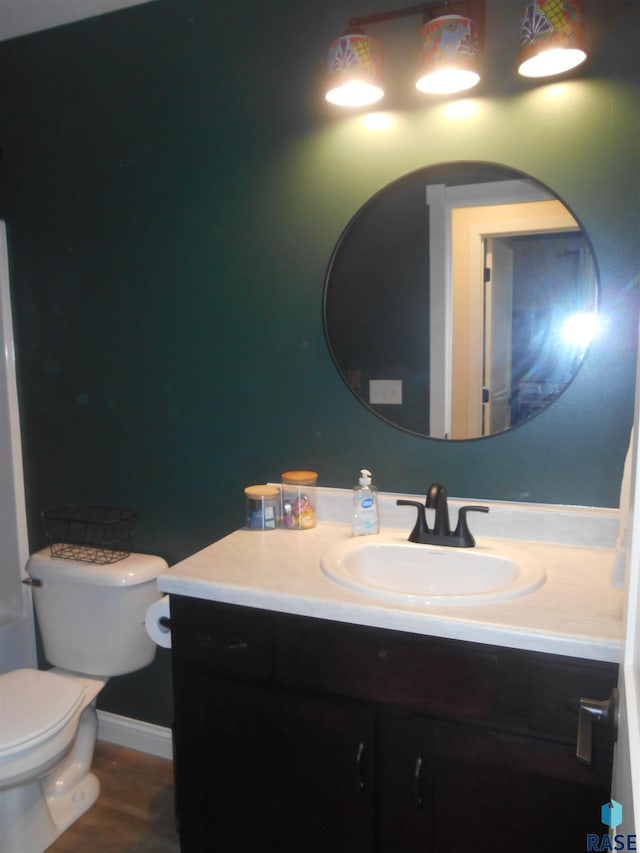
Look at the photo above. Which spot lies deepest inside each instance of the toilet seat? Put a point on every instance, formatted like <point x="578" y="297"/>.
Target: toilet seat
<point x="34" y="706"/>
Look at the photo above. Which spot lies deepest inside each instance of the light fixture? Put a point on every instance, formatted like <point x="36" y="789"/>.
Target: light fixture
<point x="448" y="43"/>
<point x="551" y="37"/>
<point x="447" y="60"/>
<point x="451" y="38"/>
<point x="354" y="74"/>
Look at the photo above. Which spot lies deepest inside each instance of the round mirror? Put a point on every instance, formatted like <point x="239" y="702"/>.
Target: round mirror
<point x="460" y="300"/>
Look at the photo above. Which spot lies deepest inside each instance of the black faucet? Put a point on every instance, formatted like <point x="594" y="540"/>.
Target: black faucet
<point x="441" y="533"/>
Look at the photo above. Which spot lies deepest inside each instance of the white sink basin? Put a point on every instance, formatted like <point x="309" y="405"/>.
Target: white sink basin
<point x="392" y="568"/>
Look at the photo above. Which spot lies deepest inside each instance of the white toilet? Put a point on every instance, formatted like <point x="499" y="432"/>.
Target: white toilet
<point x="92" y="622"/>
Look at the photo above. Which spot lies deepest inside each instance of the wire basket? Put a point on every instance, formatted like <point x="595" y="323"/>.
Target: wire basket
<point x="90" y="534"/>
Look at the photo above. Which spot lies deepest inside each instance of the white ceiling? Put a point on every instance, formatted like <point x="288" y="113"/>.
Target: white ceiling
<point x="18" y="17"/>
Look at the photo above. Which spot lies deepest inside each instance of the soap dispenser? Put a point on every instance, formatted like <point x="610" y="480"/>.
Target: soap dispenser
<point x="365" y="506"/>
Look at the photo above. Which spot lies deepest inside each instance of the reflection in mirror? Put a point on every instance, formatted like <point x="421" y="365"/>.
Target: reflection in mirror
<point x="460" y="300"/>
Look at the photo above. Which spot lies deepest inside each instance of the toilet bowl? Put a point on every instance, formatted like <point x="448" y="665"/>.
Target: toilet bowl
<point x="46" y="748"/>
<point x="92" y="619"/>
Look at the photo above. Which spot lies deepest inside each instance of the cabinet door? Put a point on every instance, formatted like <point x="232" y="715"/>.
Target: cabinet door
<point x="405" y="771"/>
<point x="263" y="770"/>
<point x="498" y="793"/>
<point x="449" y="788"/>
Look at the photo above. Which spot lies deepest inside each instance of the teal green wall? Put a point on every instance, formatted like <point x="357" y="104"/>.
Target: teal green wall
<point x="173" y="187"/>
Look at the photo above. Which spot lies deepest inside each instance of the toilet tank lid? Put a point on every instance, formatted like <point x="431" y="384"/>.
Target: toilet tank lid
<point x="132" y="570"/>
<point x="33" y="704"/>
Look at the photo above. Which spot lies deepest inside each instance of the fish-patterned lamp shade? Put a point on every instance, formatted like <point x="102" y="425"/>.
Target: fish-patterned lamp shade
<point x="448" y="56"/>
<point x="354" y="73"/>
<point x="551" y="37"/>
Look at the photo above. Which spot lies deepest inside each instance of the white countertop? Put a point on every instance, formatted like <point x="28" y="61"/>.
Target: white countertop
<point x="576" y="612"/>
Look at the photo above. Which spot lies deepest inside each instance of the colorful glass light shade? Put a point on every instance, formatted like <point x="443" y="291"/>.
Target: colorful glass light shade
<point x="447" y="59"/>
<point x="354" y="73"/>
<point x="551" y="37"/>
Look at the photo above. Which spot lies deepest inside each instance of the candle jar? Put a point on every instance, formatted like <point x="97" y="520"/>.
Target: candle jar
<point x="299" y="499"/>
<point x="262" y="507"/>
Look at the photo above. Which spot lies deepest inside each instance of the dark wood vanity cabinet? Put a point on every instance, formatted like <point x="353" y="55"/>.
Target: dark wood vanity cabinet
<point x="301" y="735"/>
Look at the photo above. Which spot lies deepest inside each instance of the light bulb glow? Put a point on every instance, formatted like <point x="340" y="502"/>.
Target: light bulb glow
<point x="378" y="121"/>
<point x="356" y="93"/>
<point x="447" y="81"/>
<point x="461" y="109"/>
<point x="553" y="61"/>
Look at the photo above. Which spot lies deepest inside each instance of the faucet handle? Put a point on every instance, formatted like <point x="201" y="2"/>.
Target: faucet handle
<point x="421" y="527"/>
<point x="462" y="532"/>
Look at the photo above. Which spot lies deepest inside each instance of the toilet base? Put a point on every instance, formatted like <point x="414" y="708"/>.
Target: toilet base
<point x="70" y="806"/>
<point x="32" y="821"/>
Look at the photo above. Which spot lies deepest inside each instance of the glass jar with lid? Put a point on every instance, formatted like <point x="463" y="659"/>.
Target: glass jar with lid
<point x="262" y="507"/>
<point x="299" y="499"/>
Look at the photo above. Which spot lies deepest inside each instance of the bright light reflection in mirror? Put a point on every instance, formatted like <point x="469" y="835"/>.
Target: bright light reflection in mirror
<point x="580" y="329"/>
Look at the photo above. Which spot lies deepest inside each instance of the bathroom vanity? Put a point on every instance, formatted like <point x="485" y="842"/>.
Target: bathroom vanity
<point x="309" y="716"/>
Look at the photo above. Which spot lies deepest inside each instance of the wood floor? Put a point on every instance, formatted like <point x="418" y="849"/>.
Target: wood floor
<point x="134" y="812"/>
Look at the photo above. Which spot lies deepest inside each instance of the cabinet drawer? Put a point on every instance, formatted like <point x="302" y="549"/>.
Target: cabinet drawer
<point x="387" y="666"/>
<point x="222" y="639"/>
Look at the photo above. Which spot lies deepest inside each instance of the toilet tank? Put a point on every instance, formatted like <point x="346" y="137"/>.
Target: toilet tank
<point x="91" y="617"/>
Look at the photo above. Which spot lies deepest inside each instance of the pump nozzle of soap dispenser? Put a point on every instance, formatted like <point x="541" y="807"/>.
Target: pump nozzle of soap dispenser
<point x="365" y="477"/>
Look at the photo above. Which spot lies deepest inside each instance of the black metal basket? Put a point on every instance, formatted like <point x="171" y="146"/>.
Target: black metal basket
<point x="90" y="534"/>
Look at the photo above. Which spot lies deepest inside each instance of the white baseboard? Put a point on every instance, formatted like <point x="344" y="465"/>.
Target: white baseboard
<point x="135" y="734"/>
